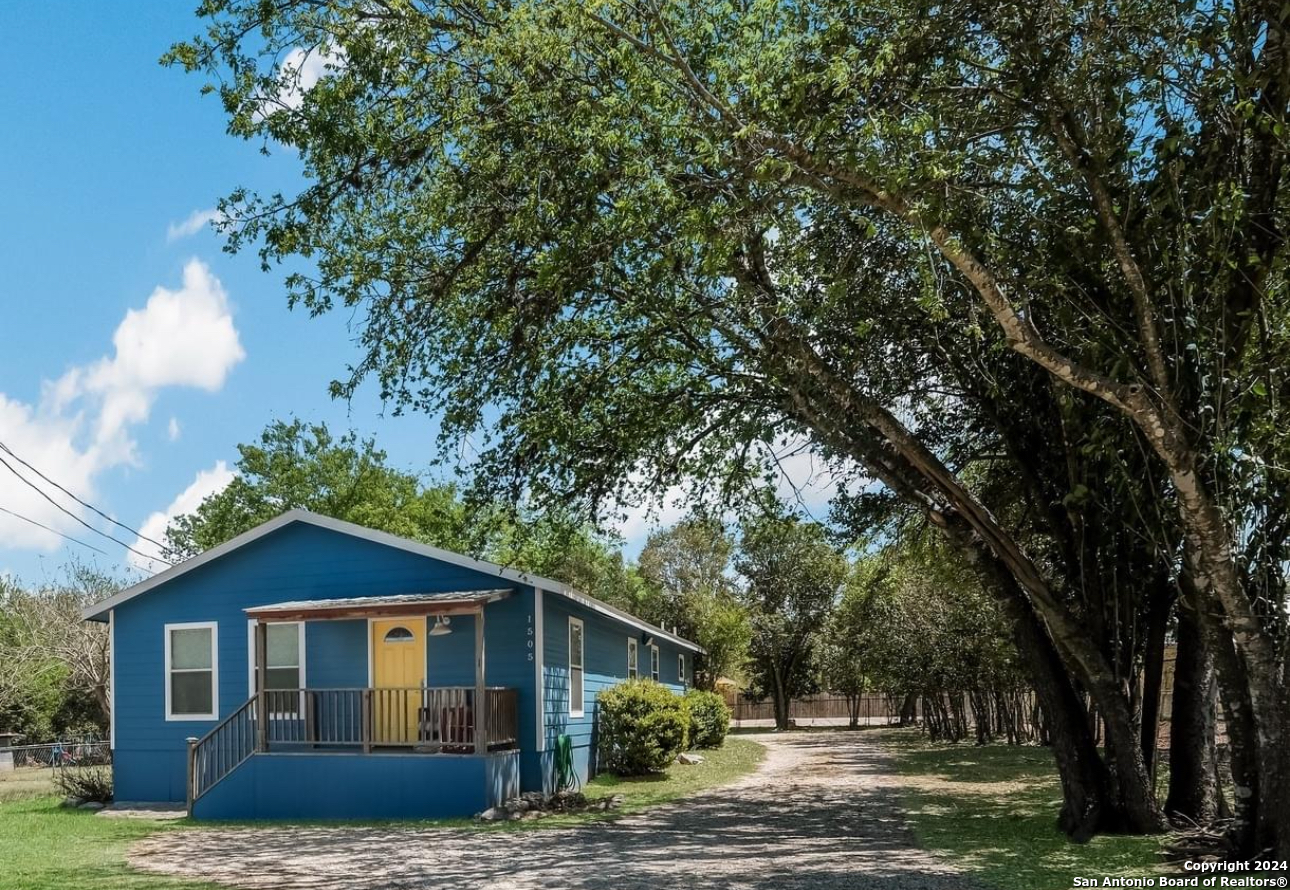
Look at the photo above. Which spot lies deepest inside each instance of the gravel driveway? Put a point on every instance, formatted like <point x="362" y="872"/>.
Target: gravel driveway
<point x="819" y="813"/>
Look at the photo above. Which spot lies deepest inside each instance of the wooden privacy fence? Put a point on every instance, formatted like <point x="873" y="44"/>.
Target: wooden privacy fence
<point x="836" y="710"/>
<point x="1012" y="715"/>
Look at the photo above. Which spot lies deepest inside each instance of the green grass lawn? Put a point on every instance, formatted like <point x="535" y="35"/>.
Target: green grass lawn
<point x="45" y="847"/>
<point x="994" y="810"/>
<point x="735" y="758"/>
<point x="24" y="783"/>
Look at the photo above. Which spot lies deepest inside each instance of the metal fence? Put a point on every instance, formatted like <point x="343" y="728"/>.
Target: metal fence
<point x="71" y="752"/>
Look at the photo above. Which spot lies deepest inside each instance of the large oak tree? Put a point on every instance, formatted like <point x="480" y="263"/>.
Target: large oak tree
<point x="647" y="241"/>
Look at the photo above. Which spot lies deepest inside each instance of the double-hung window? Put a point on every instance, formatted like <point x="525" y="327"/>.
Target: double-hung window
<point x="653" y="663"/>
<point x="632" y="658"/>
<point x="576" y="690"/>
<point x="680" y="669"/>
<point x="284" y="660"/>
<point x="192" y="671"/>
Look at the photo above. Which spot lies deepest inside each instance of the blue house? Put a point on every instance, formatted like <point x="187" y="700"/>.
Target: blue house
<point x="395" y="679"/>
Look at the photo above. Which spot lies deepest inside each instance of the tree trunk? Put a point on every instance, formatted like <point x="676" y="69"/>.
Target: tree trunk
<point x="779" y="698"/>
<point x="1153" y="667"/>
<point x="909" y="710"/>
<point x="1238" y="719"/>
<point x="1084" y="778"/>
<point x="1193" y="786"/>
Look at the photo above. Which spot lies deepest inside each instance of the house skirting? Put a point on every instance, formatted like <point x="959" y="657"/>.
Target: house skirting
<point x="306" y="786"/>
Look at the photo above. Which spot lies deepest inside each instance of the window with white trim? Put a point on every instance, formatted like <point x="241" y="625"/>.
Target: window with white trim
<point x="576" y="691"/>
<point x="192" y="671"/>
<point x="653" y="663"/>
<point x="680" y="668"/>
<point x="285" y="662"/>
<point x="632" y="658"/>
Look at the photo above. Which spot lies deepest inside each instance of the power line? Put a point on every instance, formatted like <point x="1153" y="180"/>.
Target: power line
<point x="9" y="451"/>
<point x="36" y="488"/>
<point x="54" y="530"/>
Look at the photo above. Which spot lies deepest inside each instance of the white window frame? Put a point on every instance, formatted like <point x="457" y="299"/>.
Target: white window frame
<point x="250" y="663"/>
<point x="582" y="668"/>
<point x="213" y="627"/>
<point x="633" y="658"/>
<point x="680" y="668"/>
<point x="654" y="663"/>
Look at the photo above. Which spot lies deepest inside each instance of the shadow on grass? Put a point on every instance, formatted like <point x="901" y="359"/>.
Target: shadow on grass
<point x="994" y="808"/>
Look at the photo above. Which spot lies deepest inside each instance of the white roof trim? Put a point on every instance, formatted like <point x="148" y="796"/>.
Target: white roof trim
<point x="98" y="611"/>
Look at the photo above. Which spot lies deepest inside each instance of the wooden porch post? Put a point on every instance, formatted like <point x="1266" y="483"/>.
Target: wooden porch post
<point x="261" y="686"/>
<point x="481" y="689"/>
<point x="192" y="773"/>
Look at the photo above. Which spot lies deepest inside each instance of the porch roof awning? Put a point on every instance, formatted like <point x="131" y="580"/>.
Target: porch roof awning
<point x="457" y="601"/>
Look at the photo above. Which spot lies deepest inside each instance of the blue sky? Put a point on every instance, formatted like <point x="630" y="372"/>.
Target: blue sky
<point x="135" y="353"/>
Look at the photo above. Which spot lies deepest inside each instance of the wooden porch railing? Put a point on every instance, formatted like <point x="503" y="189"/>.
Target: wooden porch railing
<point x="220" y="751"/>
<point x="431" y="720"/>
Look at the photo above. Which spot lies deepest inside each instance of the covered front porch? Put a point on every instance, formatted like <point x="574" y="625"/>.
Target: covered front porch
<point x="328" y="735"/>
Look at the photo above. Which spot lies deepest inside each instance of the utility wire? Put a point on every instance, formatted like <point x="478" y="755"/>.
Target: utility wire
<point x="54" y="530"/>
<point x="36" y="488"/>
<point x="9" y="451"/>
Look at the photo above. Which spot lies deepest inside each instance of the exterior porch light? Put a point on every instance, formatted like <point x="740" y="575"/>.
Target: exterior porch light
<point x="441" y="628"/>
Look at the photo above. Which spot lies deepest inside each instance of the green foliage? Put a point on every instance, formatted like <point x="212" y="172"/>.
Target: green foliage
<point x="913" y="620"/>
<point x="709" y="718"/>
<point x="687" y="566"/>
<point x="793" y="577"/>
<point x="53" y="664"/>
<point x="295" y="465"/>
<point x="642" y="727"/>
<point x="1015" y="270"/>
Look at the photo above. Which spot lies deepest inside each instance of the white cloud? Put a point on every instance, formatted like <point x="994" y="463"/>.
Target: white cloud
<point x="635" y="522"/>
<point x="172" y="430"/>
<point x="49" y="441"/>
<point x="82" y="423"/>
<point x="183" y="337"/>
<point x="205" y="484"/>
<point x="299" y="73"/>
<point x="196" y="221"/>
<point x="803" y="482"/>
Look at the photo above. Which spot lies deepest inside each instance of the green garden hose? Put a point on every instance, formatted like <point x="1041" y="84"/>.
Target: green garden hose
<point x="566" y="777"/>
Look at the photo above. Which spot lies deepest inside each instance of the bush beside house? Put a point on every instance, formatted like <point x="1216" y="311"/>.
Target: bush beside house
<point x="643" y="726"/>
<point x="709" y="718"/>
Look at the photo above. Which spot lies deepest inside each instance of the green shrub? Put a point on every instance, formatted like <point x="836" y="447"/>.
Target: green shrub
<point x="642" y="727"/>
<point x="709" y="718"/>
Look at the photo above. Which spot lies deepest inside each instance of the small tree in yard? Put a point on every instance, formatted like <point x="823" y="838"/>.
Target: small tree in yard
<point x="688" y="564"/>
<point x="793" y="575"/>
<point x="709" y="718"/>
<point x="643" y="726"/>
<point x="841" y="654"/>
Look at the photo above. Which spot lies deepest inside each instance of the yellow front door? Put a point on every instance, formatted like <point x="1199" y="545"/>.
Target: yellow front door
<point x="398" y="673"/>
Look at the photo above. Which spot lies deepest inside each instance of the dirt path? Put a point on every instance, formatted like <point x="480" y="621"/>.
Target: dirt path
<point x="819" y="813"/>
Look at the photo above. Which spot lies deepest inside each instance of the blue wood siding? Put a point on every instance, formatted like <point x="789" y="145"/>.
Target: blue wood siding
<point x="299" y="561"/>
<point x="354" y="786"/>
<point x="335" y="654"/>
<point x="604" y="665"/>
